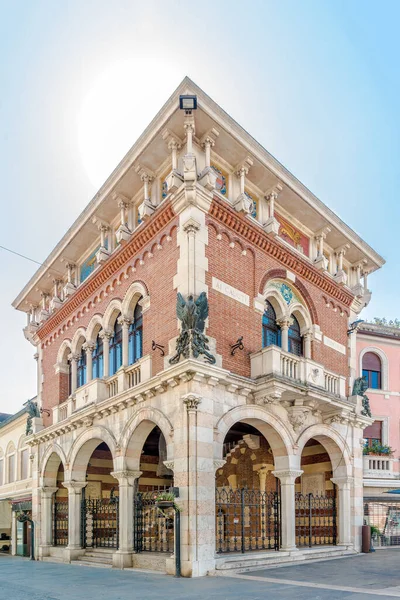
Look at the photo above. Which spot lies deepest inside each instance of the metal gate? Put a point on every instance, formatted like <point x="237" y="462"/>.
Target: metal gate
<point x="316" y="519"/>
<point x="60" y="523"/>
<point x="99" y="523"/>
<point x="247" y="520"/>
<point x="384" y="517"/>
<point x="153" y="529"/>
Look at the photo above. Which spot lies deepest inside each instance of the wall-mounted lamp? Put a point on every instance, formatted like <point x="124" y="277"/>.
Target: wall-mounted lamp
<point x="353" y="326"/>
<point x="188" y="103"/>
<point x="155" y="346"/>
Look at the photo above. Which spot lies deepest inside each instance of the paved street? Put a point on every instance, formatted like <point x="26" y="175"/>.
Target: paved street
<point x="355" y="578"/>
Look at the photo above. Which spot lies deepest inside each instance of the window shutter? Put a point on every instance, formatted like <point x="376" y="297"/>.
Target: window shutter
<point x="374" y="431"/>
<point x="371" y="362"/>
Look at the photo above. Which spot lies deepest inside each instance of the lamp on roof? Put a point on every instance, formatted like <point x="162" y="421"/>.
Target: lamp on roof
<point x="188" y="103"/>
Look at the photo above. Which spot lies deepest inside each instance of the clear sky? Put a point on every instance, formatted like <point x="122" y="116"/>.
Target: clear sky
<point x="315" y="81"/>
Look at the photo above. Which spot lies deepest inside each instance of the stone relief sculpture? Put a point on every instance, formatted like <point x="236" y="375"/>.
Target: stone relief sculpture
<point x="359" y="388"/>
<point x="33" y="413"/>
<point x="192" y="342"/>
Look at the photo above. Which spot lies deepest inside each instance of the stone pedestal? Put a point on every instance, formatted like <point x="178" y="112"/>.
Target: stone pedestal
<point x="288" y="512"/>
<point x="272" y="226"/>
<point x="74" y="548"/>
<point x="321" y="263"/>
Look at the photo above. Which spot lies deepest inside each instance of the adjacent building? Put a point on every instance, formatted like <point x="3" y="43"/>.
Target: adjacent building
<point x="378" y="352"/>
<point x="191" y="336"/>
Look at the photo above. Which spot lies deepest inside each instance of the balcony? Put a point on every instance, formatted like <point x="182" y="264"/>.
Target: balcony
<point x="379" y="467"/>
<point x="98" y="390"/>
<point x="275" y="362"/>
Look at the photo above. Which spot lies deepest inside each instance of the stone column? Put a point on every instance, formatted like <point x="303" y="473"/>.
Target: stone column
<point x="13" y="533"/>
<point x="106" y="336"/>
<point x="343" y="509"/>
<point x="284" y="324"/>
<point x="74" y="548"/>
<point x="74" y="371"/>
<point x="88" y="348"/>
<point x="307" y="337"/>
<point x="122" y="559"/>
<point x="125" y="339"/>
<point x="191" y="228"/>
<point x="46" y="524"/>
<point x="288" y="519"/>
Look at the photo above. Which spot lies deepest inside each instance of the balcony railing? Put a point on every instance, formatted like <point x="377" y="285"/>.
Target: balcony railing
<point x="272" y="360"/>
<point x="378" y="467"/>
<point x="112" y="386"/>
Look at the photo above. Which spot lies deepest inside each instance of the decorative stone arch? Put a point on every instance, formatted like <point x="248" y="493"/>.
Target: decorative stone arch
<point x="384" y="364"/>
<point x="110" y="314"/>
<point x="303" y="317"/>
<point x="64" y="350"/>
<point x="335" y="445"/>
<point x="49" y="465"/>
<point x="83" y="447"/>
<point x="95" y="325"/>
<point x="78" y="340"/>
<point x="279" y="306"/>
<point x="272" y="428"/>
<point x="132" y="296"/>
<point x="135" y="434"/>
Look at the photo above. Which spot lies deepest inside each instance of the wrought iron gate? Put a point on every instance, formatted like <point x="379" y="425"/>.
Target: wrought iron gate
<point x="153" y="529"/>
<point x="60" y="523"/>
<point x="384" y="517"/>
<point x="247" y="520"/>
<point x="316" y="519"/>
<point x="99" y="523"/>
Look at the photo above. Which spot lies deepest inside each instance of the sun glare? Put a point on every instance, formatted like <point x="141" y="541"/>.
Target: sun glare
<point x="118" y="107"/>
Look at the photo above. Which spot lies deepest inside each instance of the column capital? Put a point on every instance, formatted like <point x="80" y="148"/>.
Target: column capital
<point x="191" y="401"/>
<point x="169" y="464"/>
<point x="285" y="322"/>
<point x="103" y="227"/>
<point x="74" y="487"/>
<point x="106" y="334"/>
<point x="244" y="167"/>
<point x="88" y="347"/>
<point x="219" y="463"/>
<point x="124" y="321"/>
<point x="126" y="477"/>
<point x="341" y="250"/>
<point x="47" y="492"/>
<point x="191" y="226"/>
<point x="342" y="482"/>
<point x="74" y="357"/>
<point x="288" y="476"/>
<point x="273" y="193"/>
<point x="322" y="233"/>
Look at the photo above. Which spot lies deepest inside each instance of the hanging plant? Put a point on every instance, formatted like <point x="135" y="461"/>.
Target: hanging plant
<point x="378" y="449"/>
<point x="166" y="500"/>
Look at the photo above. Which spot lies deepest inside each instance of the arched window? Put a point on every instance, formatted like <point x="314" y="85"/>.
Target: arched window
<point x="136" y="335"/>
<point x="295" y="340"/>
<point x="97" y="359"/>
<point x="69" y="375"/>
<point x="371" y="370"/>
<point x="81" y="369"/>
<point x="11" y="464"/>
<point x="271" y="331"/>
<point x="116" y="347"/>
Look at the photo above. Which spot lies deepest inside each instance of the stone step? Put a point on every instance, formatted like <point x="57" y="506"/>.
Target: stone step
<point x="269" y="560"/>
<point x="86" y="563"/>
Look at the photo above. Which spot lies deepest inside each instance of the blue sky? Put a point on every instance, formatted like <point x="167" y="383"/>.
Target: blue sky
<point x="316" y="82"/>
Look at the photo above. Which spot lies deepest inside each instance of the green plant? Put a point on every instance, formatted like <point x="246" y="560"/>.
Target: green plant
<point x="379" y="449"/>
<point x="167" y="497"/>
<point x="375" y="530"/>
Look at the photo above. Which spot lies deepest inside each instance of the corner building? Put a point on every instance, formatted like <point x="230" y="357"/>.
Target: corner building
<point x="258" y="433"/>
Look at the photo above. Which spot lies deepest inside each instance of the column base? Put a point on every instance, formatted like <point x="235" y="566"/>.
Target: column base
<point x="44" y="550"/>
<point x="122" y="559"/>
<point x="71" y="553"/>
<point x="291" y="549"/>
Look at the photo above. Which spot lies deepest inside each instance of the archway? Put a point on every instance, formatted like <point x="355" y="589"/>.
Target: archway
<point x="54" y="500"/>
<point x="247" y="491"/>
<point x="316" y="507"/>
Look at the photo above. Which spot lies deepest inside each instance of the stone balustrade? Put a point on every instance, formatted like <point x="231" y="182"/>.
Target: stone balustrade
<point x="272" y="360"/>
<point x="379" y="467"/>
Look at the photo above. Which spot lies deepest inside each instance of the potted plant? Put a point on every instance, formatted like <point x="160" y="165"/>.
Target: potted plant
<point x="166" y="500"/>
<point x="378" y="449"/>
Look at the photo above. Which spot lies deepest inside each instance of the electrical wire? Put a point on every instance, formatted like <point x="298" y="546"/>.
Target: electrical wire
<point x="21" y="255"/>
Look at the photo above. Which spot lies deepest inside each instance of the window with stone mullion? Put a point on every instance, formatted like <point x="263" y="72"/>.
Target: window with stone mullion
<point x="271" y="332"/>
<point x="98" y="359"/>
<point x="116" y="347"/>
<point x="135" y="341"/>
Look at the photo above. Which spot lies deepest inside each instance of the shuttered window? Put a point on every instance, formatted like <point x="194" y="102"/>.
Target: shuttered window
<point x="371" y="370"/>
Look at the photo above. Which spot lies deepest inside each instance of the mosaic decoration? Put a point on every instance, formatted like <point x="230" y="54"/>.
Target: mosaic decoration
<point x="286" y="292"/>
<point x="138" y="219"/>
<point x="220" y="184"/>
<point x="164" y="190"/>
<point x="255" y="204"/>
<point x="88" y="265"/>
<point x="293" y="236"/>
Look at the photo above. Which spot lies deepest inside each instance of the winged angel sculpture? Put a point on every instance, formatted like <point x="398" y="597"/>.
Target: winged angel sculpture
<point x="192" y="342"/>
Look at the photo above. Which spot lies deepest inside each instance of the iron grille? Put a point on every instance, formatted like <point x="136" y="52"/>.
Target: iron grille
<point x="60" y="524"/>
<point x="247" y="520"/>
<point x="384" y="518"/>
<point x="316" y="519"/>
<point x="153" y="529"/>
<point x="99" y="525"/>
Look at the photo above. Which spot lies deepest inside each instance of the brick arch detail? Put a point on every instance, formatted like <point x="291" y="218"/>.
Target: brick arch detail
<point x="281" y="274"/>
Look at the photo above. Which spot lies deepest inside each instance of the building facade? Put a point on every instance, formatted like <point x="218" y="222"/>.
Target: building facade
<point x="194" y="338"/>
<point x="15" y="483"/>
<point x="378" y="352"/>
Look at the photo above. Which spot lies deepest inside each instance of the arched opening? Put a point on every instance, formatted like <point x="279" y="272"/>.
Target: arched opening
<point x="60" y="509"/>
<point x="81" y="370"/>
<point x="372" y="370"/>
<point x="295" y="340"/>
<point x="153" y="529"/>
<point x="135" y="336"/>
<point x="98" y="358"/>
<point x="316" y="504"/>
<point x="247" y="493"/>
<point x="100" y="497"/>
<point x="115" y="351"/>
<point x="271" y="332"/>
